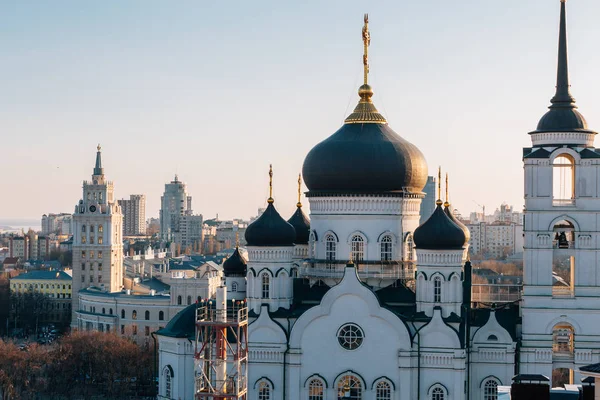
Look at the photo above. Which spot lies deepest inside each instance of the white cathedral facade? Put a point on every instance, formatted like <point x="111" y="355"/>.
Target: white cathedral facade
<point x="362" y="303"/>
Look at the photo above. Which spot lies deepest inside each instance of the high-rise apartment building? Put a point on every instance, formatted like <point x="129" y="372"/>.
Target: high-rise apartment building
<point x="57" y="223"/>
<point x="134" y="215"/>
<point x="175" y="202"/>
<point x="97" y="238"/>
<point x="428" y="203"/>
<point x="496" y="240"/>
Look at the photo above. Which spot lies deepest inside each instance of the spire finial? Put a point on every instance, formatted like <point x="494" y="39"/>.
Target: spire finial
<point x="366" y="36"/>
<point x="439" y="184"/>
<point x="98" y="147"/>
<point x="270" y="200"/>
<point x="563" y="97"/>
<point x="299" y="204"/>
<point x="98" y="170"/>
<point x="365" y="112"/>
<point x="447" y="202"/>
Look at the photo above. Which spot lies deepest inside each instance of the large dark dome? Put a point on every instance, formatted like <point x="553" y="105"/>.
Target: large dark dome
<point x="439" y="233"/>
<point x="365" y="157"/>
<point x="270" y="230"/>
<point x="457" y="222"/>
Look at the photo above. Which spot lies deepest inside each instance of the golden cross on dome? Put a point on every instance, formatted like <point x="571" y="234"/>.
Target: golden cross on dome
<point x="366" y="36"/>
<point x="439" y="199"/>
<point x="270" y="200"/>
<point x="299" y="204"/>
<point x="99" y="148"/>
<point x="447" y="203"/>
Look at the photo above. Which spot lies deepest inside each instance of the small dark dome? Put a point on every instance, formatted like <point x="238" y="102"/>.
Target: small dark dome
<point x="365" y="157"/>
<point x="182" y="325"/>
<point x="562" y="119"/>
<point x="270" y="230"/>
<point x="301" y="224"/>
<point x="457" y="222"/>
<point x="439" y="233"/>
<point x="235" y="265"/>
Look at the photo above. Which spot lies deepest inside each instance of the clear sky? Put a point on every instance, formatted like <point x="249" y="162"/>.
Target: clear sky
<point x="216" y="91"/>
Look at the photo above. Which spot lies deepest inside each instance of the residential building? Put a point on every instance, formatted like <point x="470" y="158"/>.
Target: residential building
<point x="57" y="223"/>
<point x="56" y="285"/>
<point x="190" y="233"/>
<point x="134" y="215"/>
<point x="496" y="240"/>
<point x="175" y="202"/>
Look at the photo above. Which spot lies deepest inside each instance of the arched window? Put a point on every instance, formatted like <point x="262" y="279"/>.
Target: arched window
<point x="178" y="300"/>
<point x="123" y="314"/>
<point x="410" y="248"/>
<point x="82" y="228"/>
<point x="437" y="289"/>
<point x="167" y="377"/>
<point x="147" y="315"/>
<point x="386" y="248"/>
<point x="563" y="340"/>
<point x="312" y="243"/>
<point x="103" y="310"/>
<point x="490" y="390"/>
<point x="264" y="390"/>
<point x="438" y="393"/>
<point x="383" y="391"/>
<point x="330" y="247"/>
<point x="91" y="228"/>
<point x="234" y="287"/>
<point x="134" y="314"/>
<point x="189" y="300"/>
<point x="563" y="180"/>
<point x="110" y="311"/>
<point x="161" y="315"/>
<point x="100" y="229"/>
<point x="349" y="387"/>
<point x="358" y="248"/>
<point x="315" y="389"/>
<point x="265" y="286"/>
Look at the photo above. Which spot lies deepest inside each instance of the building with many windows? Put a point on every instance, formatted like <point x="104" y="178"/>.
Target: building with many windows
<point x="134" y="215"/>
<point x="174" y="203"/>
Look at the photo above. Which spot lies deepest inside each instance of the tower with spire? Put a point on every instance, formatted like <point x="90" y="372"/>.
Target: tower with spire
<point x="97" y="239"/>
<point x="561" y="279"/>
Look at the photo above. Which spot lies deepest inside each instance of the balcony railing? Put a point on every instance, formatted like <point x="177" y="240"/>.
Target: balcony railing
<point x="568" y="245"/>
<point x="229" y="315"/>
<point x="495" y="293"/>
<point x="366" y="269"/>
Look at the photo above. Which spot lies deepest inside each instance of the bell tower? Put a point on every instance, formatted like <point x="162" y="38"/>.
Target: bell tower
<point x="97" y="238"/>
<point x="561" y="279"/>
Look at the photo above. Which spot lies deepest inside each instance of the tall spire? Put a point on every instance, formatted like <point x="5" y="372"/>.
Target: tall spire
<point x="270" y="200"/>
<point x="447" y="202"/>
<point x="439" y="199"/>
<point x="98" y="170"/>
<point x="299" y="204"/>
<point x="365" y="111"/>
<point x="563" y="97"/>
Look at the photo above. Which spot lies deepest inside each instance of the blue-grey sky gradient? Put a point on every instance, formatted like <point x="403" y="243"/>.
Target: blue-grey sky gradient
<point x="216" y="91"/>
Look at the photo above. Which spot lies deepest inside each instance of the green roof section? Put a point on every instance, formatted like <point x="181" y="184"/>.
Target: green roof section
<point x="44" y="275"/>
<point x="182" y="325"/>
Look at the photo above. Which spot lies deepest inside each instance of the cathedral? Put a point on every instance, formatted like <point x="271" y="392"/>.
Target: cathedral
<point x="361" y="302"/>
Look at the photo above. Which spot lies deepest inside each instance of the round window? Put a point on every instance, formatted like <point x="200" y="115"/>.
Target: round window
<point x="350" y="336"/>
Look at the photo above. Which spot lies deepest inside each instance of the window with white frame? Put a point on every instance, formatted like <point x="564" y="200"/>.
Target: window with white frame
<point x="330" y="247"/>
<point x="358" y="248"/>
<point x="386" y="248"/>
<point x="437" y="289"/>
<point x="383" y="391"/>
<point x="264" y="390"/>
<point x="265" y="285"/>
<point x="349" y="387"/>
<point x="316" y="390"/>
<point x="490" y="390"/>
<point x="438" y="393"/>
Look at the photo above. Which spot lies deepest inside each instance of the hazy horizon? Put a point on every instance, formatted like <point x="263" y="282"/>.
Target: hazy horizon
<point x="217" y="92"/>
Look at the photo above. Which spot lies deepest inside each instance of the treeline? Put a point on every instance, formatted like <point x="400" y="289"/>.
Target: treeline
<point x="82" y="365"/>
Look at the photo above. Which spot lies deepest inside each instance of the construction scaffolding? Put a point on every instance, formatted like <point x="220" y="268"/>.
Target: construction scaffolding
<point x="221" y="356"/>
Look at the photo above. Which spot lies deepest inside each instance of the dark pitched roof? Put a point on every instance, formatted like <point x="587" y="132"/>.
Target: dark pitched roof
<point x="530" y="377"/>
<point x="270" y="230"/>
<point x="439" y="233"/>
<point x="397" y="293"/>
<point x="235" y="265"/>
<point x="594" y="368"/>
<point x="45" y="275"/>
<point x="182" y="325"/>
<point x="589" y="153"/>
<point x="301" y="224"/>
